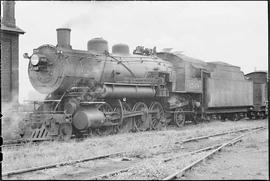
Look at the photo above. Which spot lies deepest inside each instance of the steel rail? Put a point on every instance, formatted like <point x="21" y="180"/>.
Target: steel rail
<point x="192" y="152"/>
<point x="218" y="134"/>
<point x="231" y="142"/>
<point x="14" y="143"/>
<point x="21" y="142"/>
<point x="164" y="160"/>
<point x="60" y="164"/>
<point x="11" y="145"/>
<point x="171" y="158"/>
<point x="212" y="135"/>
<point x="118" y="153"/>
<point x="205" y="148"/>
<point x="112" y="173"/>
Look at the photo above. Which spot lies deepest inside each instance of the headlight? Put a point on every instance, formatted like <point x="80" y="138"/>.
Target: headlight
<point x="34" y="59"/>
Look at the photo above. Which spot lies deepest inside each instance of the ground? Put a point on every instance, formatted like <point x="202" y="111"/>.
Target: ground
<point x="245" y="160"/>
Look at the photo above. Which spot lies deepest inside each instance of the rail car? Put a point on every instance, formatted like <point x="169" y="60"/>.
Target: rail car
<point x="260" y="95"/>
<point x="96" y="92"/>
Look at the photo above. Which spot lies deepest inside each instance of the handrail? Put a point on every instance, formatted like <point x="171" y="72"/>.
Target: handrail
<point x="126" y="84"/>
<point x="92" y="102"/>
<point x="59" y="101"/>
<point x="119" y="61"/>
<point x="45" y="112"/>
<point x="33" y="101"/>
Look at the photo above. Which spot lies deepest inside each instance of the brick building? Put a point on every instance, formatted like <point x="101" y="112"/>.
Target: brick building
<point x="9" y="33"/>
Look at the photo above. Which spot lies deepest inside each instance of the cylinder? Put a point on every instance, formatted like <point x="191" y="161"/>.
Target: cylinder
<point x="63" y="37"/>
<point x="98" y="45"/>
<point x="120" y="49"/>
<point x="86" y="118"/>
<point x="116" y="91"/>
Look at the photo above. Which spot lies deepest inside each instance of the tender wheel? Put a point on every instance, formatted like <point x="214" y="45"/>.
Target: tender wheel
<point x="65" y="131"/>
<point x="250" y="115"/>
<point x="106" y="130"/>
<point x="158" y="118"/>
<point x="179" y="117"/>
<point x="127" y="124"/>
<point x="262" y="115"/>
<point x="141" y="122"/>
<point x="236" y="117"/>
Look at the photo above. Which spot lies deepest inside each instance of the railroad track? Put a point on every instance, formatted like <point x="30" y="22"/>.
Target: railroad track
<point x="16" y="172"/>
<point x="20" y="142"/>
<point x="188" y="167"/>
<point x="215" y="148"/>
<point x="13" y="143"/>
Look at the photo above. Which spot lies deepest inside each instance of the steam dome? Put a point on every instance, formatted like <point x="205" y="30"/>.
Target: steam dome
<point x="120" y="49"/>
<point x="97" y="45"/>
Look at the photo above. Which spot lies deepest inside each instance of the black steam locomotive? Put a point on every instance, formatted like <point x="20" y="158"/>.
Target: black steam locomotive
<point x="96" y="92"/>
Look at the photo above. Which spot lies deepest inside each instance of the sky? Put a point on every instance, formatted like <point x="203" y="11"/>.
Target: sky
<point x="235" y="32"/>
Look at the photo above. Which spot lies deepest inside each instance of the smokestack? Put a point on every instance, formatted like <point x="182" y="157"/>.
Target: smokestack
<point x="9" y="13"/>
<point x="63" y="37"/>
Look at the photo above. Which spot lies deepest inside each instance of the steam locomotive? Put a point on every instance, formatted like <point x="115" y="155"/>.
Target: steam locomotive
<point x="96" y="92"/>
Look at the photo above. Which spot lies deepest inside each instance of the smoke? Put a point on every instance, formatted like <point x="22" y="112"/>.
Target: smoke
<point x="13" y="113"/>
<point x="11" y="118"/>
<point x="79" y="21"/>
<point x="34" y="95"/>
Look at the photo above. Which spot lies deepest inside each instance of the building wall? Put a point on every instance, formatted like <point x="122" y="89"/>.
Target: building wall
<point x="9" y="67"/>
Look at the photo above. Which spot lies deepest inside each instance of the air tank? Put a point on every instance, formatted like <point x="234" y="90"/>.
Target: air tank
<point x="98" y="45"/>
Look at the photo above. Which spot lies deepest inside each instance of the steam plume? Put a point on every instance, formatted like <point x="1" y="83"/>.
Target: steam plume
<point x="10" y="120"/>
<point x="81" y="20"/>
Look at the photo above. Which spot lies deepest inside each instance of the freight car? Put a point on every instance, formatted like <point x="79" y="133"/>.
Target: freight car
<point x="96" y="92"/>
<point x="260" y="95"/>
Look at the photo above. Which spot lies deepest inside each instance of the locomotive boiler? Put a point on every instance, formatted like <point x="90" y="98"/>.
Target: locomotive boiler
<point x="84" y="88"/>
<point x="94" y="91"/>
